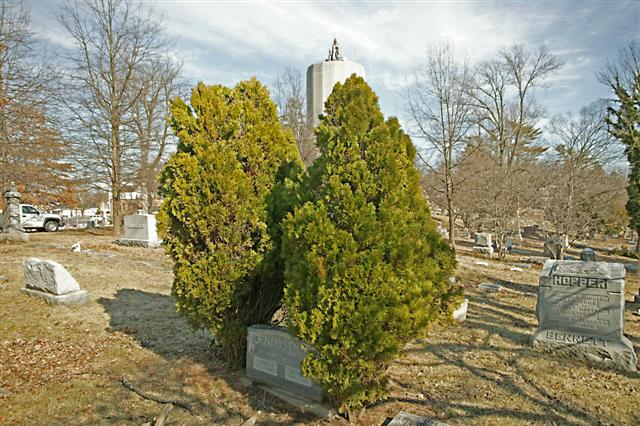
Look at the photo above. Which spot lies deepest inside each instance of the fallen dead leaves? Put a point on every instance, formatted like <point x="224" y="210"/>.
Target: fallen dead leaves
<point x="28" y="364"/>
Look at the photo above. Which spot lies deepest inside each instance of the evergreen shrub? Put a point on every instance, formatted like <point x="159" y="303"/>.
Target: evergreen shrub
<point x="366" y="270"/>
<point x="226" y="191"/>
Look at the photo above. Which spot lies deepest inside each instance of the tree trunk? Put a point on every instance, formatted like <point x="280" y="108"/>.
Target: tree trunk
<point x="451" y="222"/>
<point x="116" y="210"/>
<point x="638" y="241"/>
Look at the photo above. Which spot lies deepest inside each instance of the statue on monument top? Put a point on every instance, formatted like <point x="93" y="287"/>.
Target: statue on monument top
<point x="334" y="52"/>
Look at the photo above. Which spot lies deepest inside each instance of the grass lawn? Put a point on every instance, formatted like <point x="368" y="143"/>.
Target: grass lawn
<point x="61" y="365"/>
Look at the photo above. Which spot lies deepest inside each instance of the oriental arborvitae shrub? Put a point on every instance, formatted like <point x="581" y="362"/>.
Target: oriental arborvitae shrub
<point x="366" y="270"/>
<point x="226" y="191"/>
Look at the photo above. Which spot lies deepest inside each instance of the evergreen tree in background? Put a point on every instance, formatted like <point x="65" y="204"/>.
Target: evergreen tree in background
<point x="366" y="270"/>
<point x="225" y="194"/>
<point x="624" y="124"/>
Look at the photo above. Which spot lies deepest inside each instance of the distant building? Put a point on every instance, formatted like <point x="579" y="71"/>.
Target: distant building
<point x="323" y="76"/>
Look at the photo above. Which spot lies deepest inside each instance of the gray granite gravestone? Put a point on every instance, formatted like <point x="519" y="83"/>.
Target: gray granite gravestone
<point x="483" y="239"/>
<point x="581" y="312"/>
<point x="588" y="255"/>
<point x="483" y="243"/>
<point x="407" y="419"/>
<point x="140" y="230"/>
<point x="50" y="281"/>
<point x="274" y="358"/>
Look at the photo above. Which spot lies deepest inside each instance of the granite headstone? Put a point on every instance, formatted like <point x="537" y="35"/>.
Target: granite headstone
<point x="588" y="255"/>
<point x="274" y="358"/>
<point x="50" y="281"/>
<point x="140" y="230"/>
<point x="581" y="312"/>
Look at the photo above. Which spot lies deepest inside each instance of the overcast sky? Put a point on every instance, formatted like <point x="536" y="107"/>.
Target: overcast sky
<point x="226" y="42"/>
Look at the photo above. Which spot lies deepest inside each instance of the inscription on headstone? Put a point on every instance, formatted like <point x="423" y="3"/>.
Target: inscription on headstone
<point x="274" y="357"/>
<point x="140" y="230"/>
<point x="581" y="312"/>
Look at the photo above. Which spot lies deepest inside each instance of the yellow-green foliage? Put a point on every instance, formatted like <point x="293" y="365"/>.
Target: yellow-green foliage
<point x="225" y="194"/>
<point x="366" y="271"/>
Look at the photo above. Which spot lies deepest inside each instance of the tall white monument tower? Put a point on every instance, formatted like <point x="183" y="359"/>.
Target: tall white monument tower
<point x="323" y="76"/>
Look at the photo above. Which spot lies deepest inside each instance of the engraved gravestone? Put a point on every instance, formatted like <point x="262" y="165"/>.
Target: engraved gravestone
<point x="274" y="358"/>
<point x="140" y="230"/>
<point x="581" y="312"/>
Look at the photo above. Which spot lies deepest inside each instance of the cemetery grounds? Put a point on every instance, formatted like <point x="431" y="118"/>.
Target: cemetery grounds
<point x="61" y="365"/>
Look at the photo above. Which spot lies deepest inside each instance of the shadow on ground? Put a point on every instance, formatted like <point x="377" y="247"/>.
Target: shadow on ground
<point x="152" y="320"/>
<point x="511" y="374"/>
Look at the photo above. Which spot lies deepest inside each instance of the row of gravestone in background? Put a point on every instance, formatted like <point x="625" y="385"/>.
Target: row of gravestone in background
<point x="580" y="313"/>
<point x="483" y="244"/>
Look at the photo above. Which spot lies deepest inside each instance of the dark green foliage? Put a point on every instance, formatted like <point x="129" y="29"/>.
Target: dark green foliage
<point x="226" y="190"/>
<point x="624" y="124"/>
<point x="366" y="271"/>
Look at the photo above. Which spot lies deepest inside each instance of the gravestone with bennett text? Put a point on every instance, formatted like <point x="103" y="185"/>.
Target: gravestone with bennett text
<point x="581" y="312"/>
<point x="274" y="358"/>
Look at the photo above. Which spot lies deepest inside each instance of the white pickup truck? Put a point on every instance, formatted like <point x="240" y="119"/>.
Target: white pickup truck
<point x="32" y="218"/>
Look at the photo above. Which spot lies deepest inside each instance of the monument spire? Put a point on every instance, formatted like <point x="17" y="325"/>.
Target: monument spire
<point x="334" y="52"/>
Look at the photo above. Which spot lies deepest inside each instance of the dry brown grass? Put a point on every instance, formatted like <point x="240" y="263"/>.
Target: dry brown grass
<point x="63" y="365"/>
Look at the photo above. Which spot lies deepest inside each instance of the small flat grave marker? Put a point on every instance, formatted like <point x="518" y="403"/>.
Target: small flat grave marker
<point x="490" y="287"/>
<point x="406" y="419"/>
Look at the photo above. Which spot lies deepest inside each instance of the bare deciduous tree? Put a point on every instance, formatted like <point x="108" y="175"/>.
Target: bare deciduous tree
<point x="441" y="113"/>
<point x="150" y="122"/>
<point x="577" y="189"/>
<point x="113" y="40"/>
<point x="508" y="119"/>
<point x="291" y="101"/>
<point x="625" y="69"/>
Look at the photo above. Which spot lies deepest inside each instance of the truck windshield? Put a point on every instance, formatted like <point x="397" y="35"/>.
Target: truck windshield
<point x="29" y="210"/>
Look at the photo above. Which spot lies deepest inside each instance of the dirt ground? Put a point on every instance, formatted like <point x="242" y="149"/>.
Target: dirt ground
<point x="61" y="365"/>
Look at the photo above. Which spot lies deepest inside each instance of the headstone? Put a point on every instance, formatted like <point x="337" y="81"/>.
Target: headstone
<point x="581" y="312"/>
<point x="631" y="267"/>
<point x="588" y="255"/>
<point x="521" y="265"/>
<point x="274" y="358"/>
<point x="483" y="243"/>
<point x="537" y="260"/>
<point x="483" y="239"/>
<point x="490" y="287"/>
<point x="140" y="230"/>
<point x="406" y="419"/>
<point x="12" y="229"/>
<point x="484" y="250"/>
<point x="509" y="244"/>
<point x="49" y="280"/>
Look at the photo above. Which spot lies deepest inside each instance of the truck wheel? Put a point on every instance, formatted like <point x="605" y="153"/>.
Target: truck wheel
<point x="51" y="226"/>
